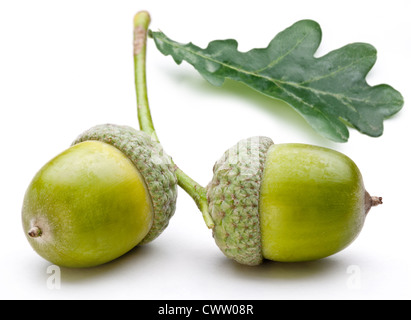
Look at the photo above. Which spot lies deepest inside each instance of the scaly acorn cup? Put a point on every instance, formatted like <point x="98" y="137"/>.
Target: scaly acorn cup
<point x="113" y="189"/>
<point x="285" y="202"/>
<point x="151" y="161"/>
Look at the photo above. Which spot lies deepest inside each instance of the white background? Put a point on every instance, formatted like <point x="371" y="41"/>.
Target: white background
<point x="66" y="66"/>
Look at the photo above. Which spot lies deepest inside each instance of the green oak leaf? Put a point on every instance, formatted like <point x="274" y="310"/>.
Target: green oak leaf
<point x="329" y="91"/>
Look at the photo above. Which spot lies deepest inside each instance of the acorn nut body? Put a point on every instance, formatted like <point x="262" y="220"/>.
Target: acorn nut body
<point x="285" y="202"/>
<point x="113" y="189"/>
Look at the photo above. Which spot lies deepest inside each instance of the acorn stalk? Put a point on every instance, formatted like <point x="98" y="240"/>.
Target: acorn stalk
<point x="195" y="190"/>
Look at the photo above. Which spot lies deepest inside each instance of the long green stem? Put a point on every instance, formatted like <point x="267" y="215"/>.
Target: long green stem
<point x="195" y="190"/>
<point x="141" y="23"/>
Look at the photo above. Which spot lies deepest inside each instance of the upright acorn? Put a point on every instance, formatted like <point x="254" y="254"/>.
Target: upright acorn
<point x="113" y="189"/>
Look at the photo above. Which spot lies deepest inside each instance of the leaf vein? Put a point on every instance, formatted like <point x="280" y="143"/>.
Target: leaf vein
<point x="273" y="63"/>
<point x="355" y="62"/>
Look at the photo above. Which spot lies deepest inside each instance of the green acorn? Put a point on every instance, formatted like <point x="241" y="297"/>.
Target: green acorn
<point x="286" y="202"/>
<point x="113" y="189"/>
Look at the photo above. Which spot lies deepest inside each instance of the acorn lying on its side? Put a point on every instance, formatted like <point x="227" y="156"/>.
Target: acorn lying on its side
<point x="285" y="202"/>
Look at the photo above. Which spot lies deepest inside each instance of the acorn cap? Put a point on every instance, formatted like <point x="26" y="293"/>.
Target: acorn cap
<point x="151" y="161"/>
<point x="233" y="198"/>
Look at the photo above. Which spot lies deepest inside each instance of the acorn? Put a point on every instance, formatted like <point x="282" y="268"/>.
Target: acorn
<point x="113" y="189"/>
<point x="285" y="202"/>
